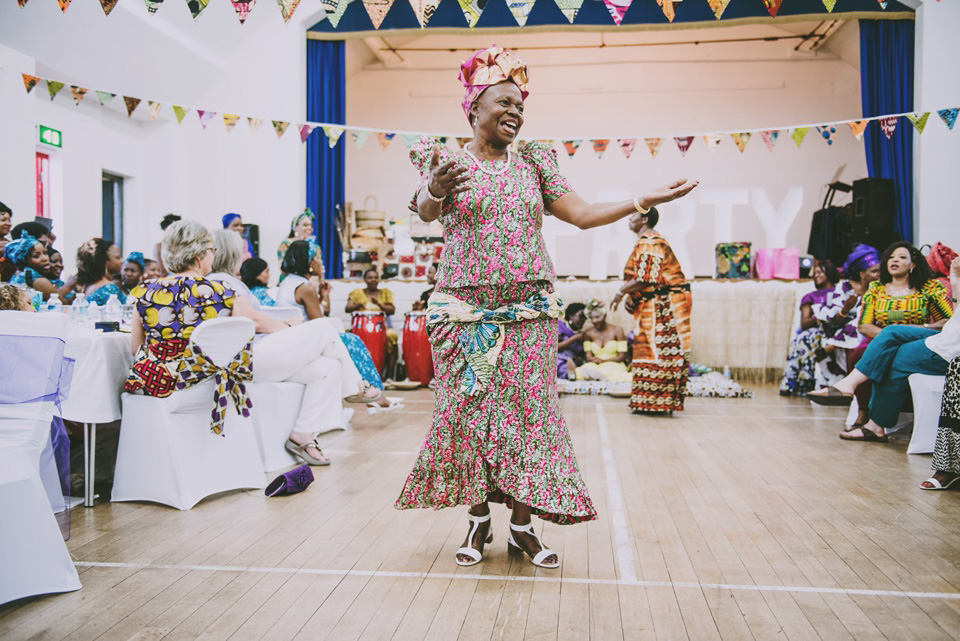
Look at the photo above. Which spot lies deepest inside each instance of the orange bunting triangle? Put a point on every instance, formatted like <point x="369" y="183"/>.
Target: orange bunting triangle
<point x="78" y="93"/>
<point x="463" y="141"/>
<point x="741" y="140"/>
<point x="384" y="139"/>
<point x="669" y="8"/>
<point x="653" y="144"/>
<point x="64" y="4"/>
<point x="600" y="146"/>
<point x="858" y="127"/>
<point x="571" y="146"/>
<point x="29" y="82"/>
<point x="718" y="7"/>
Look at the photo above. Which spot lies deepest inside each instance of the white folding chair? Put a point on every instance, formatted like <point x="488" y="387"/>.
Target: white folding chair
<point x="927" y="392"/>
<point x="168" y="454"/>
<point x="33" y="557"/>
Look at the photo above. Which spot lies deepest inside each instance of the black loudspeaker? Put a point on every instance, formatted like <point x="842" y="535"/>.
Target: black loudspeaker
<point x="879" y="239"/>
<point x="829" y="234"/>
<point x="873" y="204"/>
<point x="252" y="233"/>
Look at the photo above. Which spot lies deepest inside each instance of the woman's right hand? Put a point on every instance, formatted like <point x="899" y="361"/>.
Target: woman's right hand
<point x="446" y="180"/>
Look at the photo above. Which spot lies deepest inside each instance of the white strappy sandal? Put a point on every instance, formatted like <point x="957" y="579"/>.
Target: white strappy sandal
<point x="544" y="552"/>
<point x="473" y="553"/>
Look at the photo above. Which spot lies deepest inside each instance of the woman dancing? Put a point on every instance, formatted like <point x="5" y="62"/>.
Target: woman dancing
<point x="498" y="433"/>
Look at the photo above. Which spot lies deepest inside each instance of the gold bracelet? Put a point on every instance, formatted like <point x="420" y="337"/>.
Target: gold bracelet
<point x="639" y="207"/>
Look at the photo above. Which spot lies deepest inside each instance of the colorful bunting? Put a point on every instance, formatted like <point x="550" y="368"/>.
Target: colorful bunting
<point x="741" y="140"/>
<point x="569" y="8"/>
<point x="773" y="6"/>
<point x="230" y="121"/>
<point x="669" y="8"/>
<point x="424" y="10"/>
<point x="653" y="144"/>
<point x="334" y="10"/>
<point x="471" y="11"/>
<point x="108" y="6"/>
<point x="919" y="121"/>
<point x="64" y="4"/>
<point x="305" y="131"/>
<point x="131" y="104"/>
<point x="22" y="3"/>
<point x="205" y="117"/>
<point x="858" y="127"/>
<point x="196" y="7"/>
<point x="78" y="93"/>
<point x="377" y="10"/>
<point x="243" y="8"/>
<point x="463" y="141"/>
<point x="53" y="88"/>
<point x="384" y="139"/>
<point x="617" y="9"/>
<point x="888" y="125"/>
<point x="627" y="145"/>
<point x="718" y="7"/>
<point x="827" y="132"/>
<point x="408" y="139"/>
<point x="280" y="127"/>
<point x="949" y="117"/>
<point x="520" y="10"/>
<point x="359" y="137"/>
<point x="254" y="123"/>
<point x="799" y="134"/>
<point x="333" y="133"/>
<point x="180" y="112"/>
<point x="105" y="96"/>
<point x="770" y="137"/>
<point x="154" y="109"/>
<point x="153" y="5"/>
<point x="29" y="82"/>
<point x="830" y="4"/>
<point x="287" y="7"/>
<point x="571" y="146"/>
<point x="600" y="146"/>
<point x="683" y="144"/>
<point x="713" y="141"/>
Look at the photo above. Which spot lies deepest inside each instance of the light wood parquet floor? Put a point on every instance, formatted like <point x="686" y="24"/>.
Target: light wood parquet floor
<point x="740" y="519"/>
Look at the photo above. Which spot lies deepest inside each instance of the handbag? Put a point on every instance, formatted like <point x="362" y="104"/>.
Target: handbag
<point x="292" y="482"/>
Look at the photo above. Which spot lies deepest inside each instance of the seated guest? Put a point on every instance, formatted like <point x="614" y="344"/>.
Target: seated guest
<point x="234" y="223"/>
<point x="892" y="356"/>
<point x="373" y="298"/>
<point x="40" y="232"/>
<point x="6" y="216"/>
<point x="570" y="342"/>
<point x="420" y="305"/>
<point x="132" y="272"/>
<point x="301" y="228"/>
<point x="605" y="347"/>
<point x="799" y="374"/>
<point x="151" y="269"/>
<point x="54" y="267"/>
<point x="168" y="220"/>
<point x="939" y="260"/>
<point x="30" y="259"/>
<point x="255" y="274"/>
<point x="98" y="261"/>
<point x="15" y="299"/>
<point x="946" y="453"/>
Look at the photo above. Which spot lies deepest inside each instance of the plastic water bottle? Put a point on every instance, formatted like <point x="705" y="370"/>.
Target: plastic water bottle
<point x="54" y="304"/>
<point x="726" y="371"/>
<point x="81" y="309"/>
<point x="112" y="312"/>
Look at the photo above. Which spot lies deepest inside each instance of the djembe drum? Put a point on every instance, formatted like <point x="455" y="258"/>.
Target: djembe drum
<point x="416" y="348"/>
<point x="371" y="327"/>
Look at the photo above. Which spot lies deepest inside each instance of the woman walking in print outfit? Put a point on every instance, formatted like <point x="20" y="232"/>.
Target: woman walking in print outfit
<point x="498" y="433"/>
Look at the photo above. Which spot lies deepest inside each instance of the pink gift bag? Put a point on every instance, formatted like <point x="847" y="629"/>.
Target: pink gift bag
<point x="786" y="263"/>
<point x="763" y="265"/>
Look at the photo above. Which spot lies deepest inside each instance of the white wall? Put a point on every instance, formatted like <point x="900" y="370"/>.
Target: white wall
<point x="936" y="214"/>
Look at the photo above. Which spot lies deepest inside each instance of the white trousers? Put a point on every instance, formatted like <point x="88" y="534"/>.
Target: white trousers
<point x="313" y="354"/>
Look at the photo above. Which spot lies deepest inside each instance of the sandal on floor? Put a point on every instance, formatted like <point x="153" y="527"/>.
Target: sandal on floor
<point x="475" y="555"/>
<point x="855" y="426"/>
<point x="936" y="484"/>
<point x="395" y="404"/>
<point x="300" y="451"/>
<point x="868" y="436"/>
<point x="833" y="398"/>
<point x="360" y="398"/>
<point x="544" y="552"/>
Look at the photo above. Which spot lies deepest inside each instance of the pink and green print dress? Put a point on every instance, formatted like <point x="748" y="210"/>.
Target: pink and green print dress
<point x="498" y="432"/>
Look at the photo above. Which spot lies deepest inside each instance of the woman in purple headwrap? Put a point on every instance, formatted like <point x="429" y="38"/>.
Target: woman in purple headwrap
<point x="234" y="222"/>
<point x="498" y="433"/>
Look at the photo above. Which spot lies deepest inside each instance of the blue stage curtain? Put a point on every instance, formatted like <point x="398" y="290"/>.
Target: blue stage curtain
<point x="886" y="79"/>
<point x="326" y="102"/>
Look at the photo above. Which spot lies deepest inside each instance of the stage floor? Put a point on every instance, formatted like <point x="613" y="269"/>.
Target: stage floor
<point x="739" y="519"/>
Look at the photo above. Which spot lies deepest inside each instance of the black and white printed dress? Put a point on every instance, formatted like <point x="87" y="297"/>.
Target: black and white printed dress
<point x="946" y="454"/>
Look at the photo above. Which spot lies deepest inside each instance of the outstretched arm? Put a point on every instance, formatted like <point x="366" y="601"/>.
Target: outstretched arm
<point x="573" y="209"/>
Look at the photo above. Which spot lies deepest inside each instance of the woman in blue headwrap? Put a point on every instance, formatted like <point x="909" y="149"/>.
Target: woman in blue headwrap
<point x="234" y="222"/>
<point x="29" y="256"/>
<point x="301" y="229"/>
<point x="132" y="272"/>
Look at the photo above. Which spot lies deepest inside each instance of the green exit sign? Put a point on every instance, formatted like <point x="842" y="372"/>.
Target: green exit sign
<point x="50" y="136"/>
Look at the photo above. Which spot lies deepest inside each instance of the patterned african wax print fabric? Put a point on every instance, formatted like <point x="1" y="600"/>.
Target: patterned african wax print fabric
<point x="20" y="278"/>
<point x="230" y="381"/>
<point x="946" y="453"/>
<point x="102" y="294"/>
<point x="170" y="309"/>
<point x="573" y="353"/>
<point x="361" y="357"/>
<point x="492" y="231"/>
<point x="839" y="331"/>
<point x="930" y="304"/>
<point x="661" y="344"/>
<point x="261" y="295"/>
<point x="285" y="243"/>
<point x="800" y="371"/>
<point x="510" y="441"/>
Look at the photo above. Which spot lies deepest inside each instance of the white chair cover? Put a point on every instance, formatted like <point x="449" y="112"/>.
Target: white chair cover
<point x="927" y="392"/>
<point x="167" y="453"/>
<point x="33" y="557"/>
<point x="275" y="410"/>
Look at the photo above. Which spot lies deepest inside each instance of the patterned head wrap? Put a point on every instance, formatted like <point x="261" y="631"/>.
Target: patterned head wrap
<point x="137" y="257"/>
<point x="306" y="213"/>
<point x="489" y="67"/>
<point x="594" y="304"/>
<point x="862" y="257"/>
<point x="229" y="218"/>
<point x="18" y="250"/>
<point x="940" y="258"/>
<point x="312" y="249"/>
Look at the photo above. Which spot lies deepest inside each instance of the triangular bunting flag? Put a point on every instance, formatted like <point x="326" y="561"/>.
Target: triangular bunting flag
<point x="463" y="141"/>
<point x="29" y="82"/>
<point x="683" y="144"/>
<point x="254" y="123"/>
<point x="205" y="117"/>
<point x="377" y="10"/>
<point x="773" y="6"/>
<point x="333" y="133"/>
<point x="334" y="10"/>
<point x="153" y="5"/>
<point x="830" y="4"/>
<point x="718" y="7"/>
<point x="384" y="139"/>
<point x="196" y="7"/>
<point x="180" y="112"/>
<point x="769" y="138"/>
<point x="230" y="121"/>
<point x="280" y="127"/>
<point x="64" y="4"/>
<point x="305" y="131"/>
<point x="105" y="96"/>
<point x="653" y="144"/>
<point x="741" y="140"/>
<point x="571" y="146"/>
<point x="359" y="138"/>
<point x="78" y="93"/>
<point x="569" y="8"/>
<point x="108" y="6"/>
<point x="669" y="8"/>
<point x="883" y="5"/>
<point x="22" y="3"/>
<point x="713" y="141"/>
<point x="627" y="145"/>
<point x="424" y="10"/>
<point x="131" y="104"/>
<point x="287" y="7"/>
<point x="799" y="134"/>
<point x="520" y="10"/>
<point x="409" y="139"/>
<point x="827" y="132"/>
<point x="888" y="125"/>
<point x="600" y="145"/>
<point x="153" y="108"/>
<point x="919" y="121"/>
<point x="618" y="8"/>
<point x="54" y="87"/>
<point x="949" y="117"/>
<point x="243" y="8"/>
<point x="471" y="11"/>
<point x="858" y="127"/>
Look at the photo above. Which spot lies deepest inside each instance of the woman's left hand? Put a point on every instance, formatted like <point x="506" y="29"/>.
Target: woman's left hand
<point x="616" y="301"/>
<point x="667" y="193"/>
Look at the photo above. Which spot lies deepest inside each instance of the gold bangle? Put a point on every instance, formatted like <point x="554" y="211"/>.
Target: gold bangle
<point x="639" y="207"/>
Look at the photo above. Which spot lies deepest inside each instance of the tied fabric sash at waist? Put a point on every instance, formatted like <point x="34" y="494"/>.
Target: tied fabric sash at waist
<point x="482" y="337"/>
<point x="667" y="289"/>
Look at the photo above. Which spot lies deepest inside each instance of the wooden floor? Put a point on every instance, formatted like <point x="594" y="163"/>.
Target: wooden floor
<point x="740" y="519"/>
